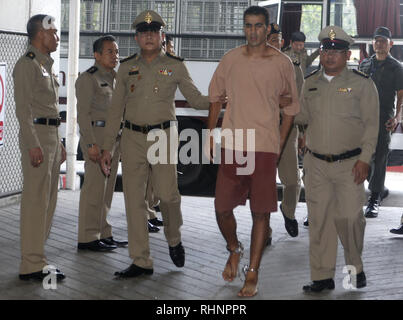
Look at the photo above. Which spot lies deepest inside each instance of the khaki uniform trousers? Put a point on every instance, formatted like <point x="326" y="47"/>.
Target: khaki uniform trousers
<point x="135" y="171"/>
<point x="288" y="173"/>
<point x="38" y="200"/>
<point x="334" y="209"/>
<point x="96" y="194"/>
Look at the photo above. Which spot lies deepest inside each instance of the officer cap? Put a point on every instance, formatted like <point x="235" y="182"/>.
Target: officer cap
<point x="148" y="20"/>
<point x="334" y="37"/>
<point x="275" y="28"/>
<point x="383" y="32"/>
<point x="298" y="36"/>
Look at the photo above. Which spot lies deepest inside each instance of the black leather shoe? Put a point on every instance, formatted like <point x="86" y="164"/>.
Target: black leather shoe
<point x="398" y="230"/>
<point x="384" y="193"/>
<point x="372" y="206"/>
<point x="319" y="285"/>
<point x="291" y="225"/>
<point x="306" y="222"/>
<point x="39" y="276"/>
<point x="156" y="222"/>
<point x="361" y="280"/>
<point x="177" y="255"/>
<point x="133" y="271"/>
<point x="152" y="228"/>
<point x="112" y="242"/>
<point x="96" y="245"/>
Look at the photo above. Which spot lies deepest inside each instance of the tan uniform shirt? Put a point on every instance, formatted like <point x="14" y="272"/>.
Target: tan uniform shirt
<point x="341" y="115"/>
<point x="145" y="92"/>
<point x="94" y="90"/>
<point x="302" y="57"/>
<point x="253" y="87"/>
<point x="35" y="92"/>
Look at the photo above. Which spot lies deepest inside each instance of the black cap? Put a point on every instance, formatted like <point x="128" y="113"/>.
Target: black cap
<point x="334" y="44"/>
<point x="383" y="32"/>
<point x="153" y="26"/>
<point x="298" y="36"/>
<point x="274" y="29"/>
<point x="334" y="38"/>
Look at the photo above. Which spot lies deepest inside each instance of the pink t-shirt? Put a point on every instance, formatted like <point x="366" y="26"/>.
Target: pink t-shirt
<point x="253" y="87"/>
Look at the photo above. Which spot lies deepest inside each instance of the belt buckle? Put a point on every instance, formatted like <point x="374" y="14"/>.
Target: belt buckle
<point x="144" y="130"/>
<point x="329" y="157"/>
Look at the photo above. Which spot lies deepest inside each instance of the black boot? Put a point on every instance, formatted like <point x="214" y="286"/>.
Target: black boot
<point x="372" y="206"/>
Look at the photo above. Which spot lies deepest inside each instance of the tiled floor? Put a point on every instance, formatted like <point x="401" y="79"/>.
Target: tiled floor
<point x="284" y="270"/>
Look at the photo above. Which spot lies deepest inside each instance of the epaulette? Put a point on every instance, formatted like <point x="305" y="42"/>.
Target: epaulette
<point x="128" y="58"/>
<point x="30" y="55"/>
<point x="174" y="57"/>
<point x="360" y="73"/>
<point x="312" y="73"/>
<point x="92" y="70"/>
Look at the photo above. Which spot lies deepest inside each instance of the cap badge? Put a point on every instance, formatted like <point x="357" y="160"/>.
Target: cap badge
<point x="332" y="34"/>
<point x="148" y="18"/>
<point x="276" y="27"/>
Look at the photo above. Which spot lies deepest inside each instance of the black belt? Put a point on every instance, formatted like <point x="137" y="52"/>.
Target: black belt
<point x="337" y="157"/>
<point x="147" y="129"/>
<point x="47" y="121"/>
<point x="98" y="123"/>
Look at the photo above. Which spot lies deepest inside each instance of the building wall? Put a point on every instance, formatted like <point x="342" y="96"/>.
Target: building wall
<point x="13" y="43"/>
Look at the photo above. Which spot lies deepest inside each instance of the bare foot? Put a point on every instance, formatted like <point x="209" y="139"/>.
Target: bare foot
<point x="250" y="285"/>
<point x="231" y="268"/>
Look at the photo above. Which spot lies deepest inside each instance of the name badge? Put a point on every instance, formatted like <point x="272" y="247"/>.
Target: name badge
<point x="134" y="70"/>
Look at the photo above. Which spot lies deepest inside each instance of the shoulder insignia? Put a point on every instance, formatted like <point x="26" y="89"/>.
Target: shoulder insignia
<point x="30" y="55"/>
<point x="360" y="73"/>
<point x="128" y="58"/>
<point x="174" y="57"/>
<point x="92" y="70"/>
<point x="312" y="73"/>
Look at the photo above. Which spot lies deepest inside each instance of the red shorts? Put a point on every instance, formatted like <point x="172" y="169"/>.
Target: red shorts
<point x="233" y="189"/>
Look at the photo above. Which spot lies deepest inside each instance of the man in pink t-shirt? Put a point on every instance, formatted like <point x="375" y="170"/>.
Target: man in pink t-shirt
<point x="253" y="77"/>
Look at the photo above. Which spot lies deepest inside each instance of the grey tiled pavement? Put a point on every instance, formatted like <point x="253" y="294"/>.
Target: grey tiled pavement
<point x="284" y="269"/>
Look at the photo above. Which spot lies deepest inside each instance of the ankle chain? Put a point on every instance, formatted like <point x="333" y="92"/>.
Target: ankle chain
<point x="237" y="250"/>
